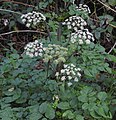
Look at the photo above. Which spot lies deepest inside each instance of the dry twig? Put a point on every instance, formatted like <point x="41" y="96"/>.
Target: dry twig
<point x="112" y="48"/>
<point x="106" y="6"/>
<point x="22" y="31"/>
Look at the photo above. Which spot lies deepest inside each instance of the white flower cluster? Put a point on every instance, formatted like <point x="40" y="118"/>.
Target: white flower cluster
<point x="34" y="49"/>
<point x="55" y="53"/>
<point x="5" y="21"/>
<point x="70" y="73"/>
<point x="32" y="18"/>
<point x="84" y="8"/>
<point x="75" y="23"/>
<point x="82" y="36"/>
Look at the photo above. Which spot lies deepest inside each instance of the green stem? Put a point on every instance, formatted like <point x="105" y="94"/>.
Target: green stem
<point x="47" y="70"/>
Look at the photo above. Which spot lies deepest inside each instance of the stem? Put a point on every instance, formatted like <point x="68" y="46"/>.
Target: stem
<point x="47" y="70"/>
<point x="48" y="31"/>
<point x="59" y="31"/>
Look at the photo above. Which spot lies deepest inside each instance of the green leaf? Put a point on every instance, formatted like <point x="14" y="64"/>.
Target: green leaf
<point x="17" y="94"/>
<point x="102" y="96"/>
<point x="92" y="106"/>
<point x="68" y="114"/>
<point x="114" y="24"/>
<point x="64" y="105"/>
<point x="50" y="113"/>
<point x="35" y="116"/>
<point x="83" y="98"/>
<point x="87" y="72"/>
<point x="86" y="90"/>
<point x="97" y="34"/>
<point x="112" y="2"/>
<point x="94" y="114"/>
<point x="44" y="119"/>
<point x="92" y="99"/>
<point x="85" y="106"/>
<point x="112" y="58"/>
<point x="7" y="114"/>
<point x="101" y="112"/>
<point x="12" y="23"/>
<point x="79" y="117"/>
<point x="43" y="107"/>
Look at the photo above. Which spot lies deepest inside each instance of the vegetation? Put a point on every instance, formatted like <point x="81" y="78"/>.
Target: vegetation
<point x="57" y="60"/>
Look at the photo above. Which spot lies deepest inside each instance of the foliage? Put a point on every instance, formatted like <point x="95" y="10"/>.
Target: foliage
<point x="37" y="82"/>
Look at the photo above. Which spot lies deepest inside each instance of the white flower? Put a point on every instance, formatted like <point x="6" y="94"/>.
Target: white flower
<point x="32" y="50"/>
<point x="73" y="73"/>
<point x="11" y="89"/>
<point x="69" y="27"/>
<point x="69" y="77"/>
<point x="84" y="37"/>
<point x="44" y="48"/>
<point x="25" y="47"/>
<point x="35" y="20"/>
<point x="28" y="17"/>
<point x="22" y="16"/>
<point x="31" y="55"/>
<point x="41" y="44"/>
<point x="79" y="35"/>
<point x="40" y="50"/>
<point x="28" y="24"/>
<point x="80" y="41"/>
<point x="84" y="8"/>
<point x="78" y="24"/>
<point x="40" y="54"/>
<point x="29" y="13"/>
<point x="69" y="84"/>
<point x="23" y="20"/>
<point x="62" y="71"/>
<point x="57" y="74"/>
<point x="36" y="41"/>
<point x="73" y="24"/>
<point x="82" y="23"/>
<point x="67" y="72"/>
<point x="81" y="27"/>
<point x="65" y="66"/>
<point x="55" y="97"/>
<point x="93" y="39"/>
<point x="44" y="18"/>
<point x="78" y="74"/>
<point x="75" y="28"/>
<point x="34" y="12"/>
<point x="69" y="67"/>
<point x="87" y="41"/>
<point x="30" y="20"/>
<point x="27" y="53"/>
<point x="34" y="23"/>
<point x="36" y="54"/>
<point x="34" y="16"/>
<point x="38" y="21"/>
<point x="76" y="79"/>
<point x="63" y="23"/>
<point x="89" y="36"/>
<point x="79" y="69"/>
<point x="63" y="78"/>
<point x="68" y="23"/>
<point x="72" y="65"/>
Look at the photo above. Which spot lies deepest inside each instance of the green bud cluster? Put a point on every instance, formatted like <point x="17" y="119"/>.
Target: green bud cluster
<point x="55" y="53"/>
